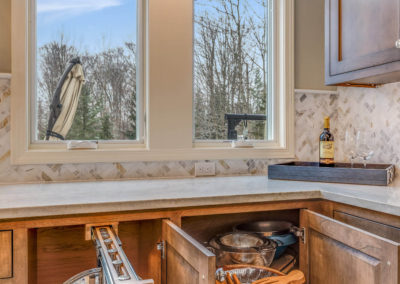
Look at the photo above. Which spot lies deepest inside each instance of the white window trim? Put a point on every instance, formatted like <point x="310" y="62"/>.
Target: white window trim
<point x="167" y="89"/>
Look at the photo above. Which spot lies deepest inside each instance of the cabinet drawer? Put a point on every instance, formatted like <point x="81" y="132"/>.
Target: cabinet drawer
<point x="6" y="254"/>
<point x="380" y="229"/>
<point x="336" y="252"/>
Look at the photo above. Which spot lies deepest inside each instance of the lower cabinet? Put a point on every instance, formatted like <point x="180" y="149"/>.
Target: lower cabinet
<point x="332" y="252"/>
<point x="186" y="260"/>
<point x="6" y="252"/>
<point x="340" y="249"/>
<point x="335" y="252"/>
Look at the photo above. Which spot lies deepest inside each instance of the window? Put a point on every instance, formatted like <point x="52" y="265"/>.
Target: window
<point x="98" y="40"/>
<point x="146" y="94"/>
<point x="232" y="74"/>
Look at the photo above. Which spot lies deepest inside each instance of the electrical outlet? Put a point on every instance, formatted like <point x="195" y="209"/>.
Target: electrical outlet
<point x="204" y="169"/>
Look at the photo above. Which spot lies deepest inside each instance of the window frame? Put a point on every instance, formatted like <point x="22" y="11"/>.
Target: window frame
<point x="167" y="103"/>
<point x="32" y="85"/>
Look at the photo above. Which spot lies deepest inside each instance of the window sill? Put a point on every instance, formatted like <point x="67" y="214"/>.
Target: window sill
<point x="64" y="156"/>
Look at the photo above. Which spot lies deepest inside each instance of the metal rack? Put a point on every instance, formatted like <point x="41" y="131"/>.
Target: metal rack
<point x="112" y="259"/>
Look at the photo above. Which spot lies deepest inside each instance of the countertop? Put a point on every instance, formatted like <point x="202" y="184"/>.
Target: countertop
<point x="37" y="200"/>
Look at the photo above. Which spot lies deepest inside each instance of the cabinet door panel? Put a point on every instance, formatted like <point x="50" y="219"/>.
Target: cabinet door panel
<point x="187" y="261"/>
<point x="380" y="229"/>
<point x="337" y="253"/>
<point x="361" y="34"/>
<point x="5" y="254"/>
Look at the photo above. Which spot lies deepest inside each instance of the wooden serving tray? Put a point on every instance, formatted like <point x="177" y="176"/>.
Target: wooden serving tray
<point x="373" y="174"/>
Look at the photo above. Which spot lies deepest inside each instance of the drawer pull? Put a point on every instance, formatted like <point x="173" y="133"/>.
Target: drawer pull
<point x="397" y="43"/>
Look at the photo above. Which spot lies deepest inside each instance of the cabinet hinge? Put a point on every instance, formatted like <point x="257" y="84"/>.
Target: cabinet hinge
<point x="161" y="247"/>
<point x="299" y="232"/>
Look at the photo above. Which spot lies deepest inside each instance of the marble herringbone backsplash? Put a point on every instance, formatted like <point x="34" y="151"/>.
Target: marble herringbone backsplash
<point x="377" y="109"/>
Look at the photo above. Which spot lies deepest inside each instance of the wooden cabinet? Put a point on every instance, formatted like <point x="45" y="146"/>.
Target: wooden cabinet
<point x="6" y="251"/>
<point x="332" y="252"/>
<point x="335" y="252"/>
<point x="186" y="260"/>
<point x="340" y="245"/>
<point x="360" y="41"/>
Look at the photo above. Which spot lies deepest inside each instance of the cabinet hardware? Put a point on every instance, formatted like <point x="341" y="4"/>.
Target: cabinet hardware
<point x="161" y="247"/>
<point x="371" y="86"/>
<point x="299" y="232"/>
<point x="398" y="43"/>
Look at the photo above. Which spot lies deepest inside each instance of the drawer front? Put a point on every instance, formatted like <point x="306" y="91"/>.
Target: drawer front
<point x="6" y="254"/>
<point x="335" y="252"/>
<point x="383" y="230"/>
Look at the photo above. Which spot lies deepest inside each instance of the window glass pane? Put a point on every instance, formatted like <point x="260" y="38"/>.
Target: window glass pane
<point x="102" y="35"/>
<point x="231" y="69"/>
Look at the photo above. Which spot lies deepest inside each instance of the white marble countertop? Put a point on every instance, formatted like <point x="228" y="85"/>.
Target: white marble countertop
<point x="36" y="200"/>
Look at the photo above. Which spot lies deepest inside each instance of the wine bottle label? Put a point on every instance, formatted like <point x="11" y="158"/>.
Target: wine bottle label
<point x="326" y="149"/>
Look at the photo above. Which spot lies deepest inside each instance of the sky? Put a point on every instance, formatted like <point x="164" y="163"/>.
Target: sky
<point x="92" y="25"/>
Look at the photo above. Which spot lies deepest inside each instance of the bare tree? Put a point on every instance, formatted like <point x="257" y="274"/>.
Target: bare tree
<point x="229" y="62"/>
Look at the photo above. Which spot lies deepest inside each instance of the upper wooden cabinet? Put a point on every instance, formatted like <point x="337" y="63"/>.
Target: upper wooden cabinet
<point x="360" y="41"/>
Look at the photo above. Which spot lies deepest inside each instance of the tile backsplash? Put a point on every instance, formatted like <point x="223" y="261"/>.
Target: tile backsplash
<point x="376" y="109"/>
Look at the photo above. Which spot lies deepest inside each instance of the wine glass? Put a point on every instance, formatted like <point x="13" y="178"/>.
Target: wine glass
<point x="350" y="146"/>
<point x="365" y="143"/>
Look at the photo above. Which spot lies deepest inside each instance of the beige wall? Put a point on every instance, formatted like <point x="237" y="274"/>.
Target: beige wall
<point x="309" y="49"/>
<point x="5" y="36"/>
<point x="309" y="45"/>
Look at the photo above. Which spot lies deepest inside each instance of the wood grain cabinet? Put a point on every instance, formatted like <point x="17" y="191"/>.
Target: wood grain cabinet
<point x="360" y="41"/>
<point x="339" y="245"/>
<point x="332" y="252"/>
<point x="6" y="250"/>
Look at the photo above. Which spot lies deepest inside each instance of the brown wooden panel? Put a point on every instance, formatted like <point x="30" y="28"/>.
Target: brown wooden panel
<point x="379" y="229"/>
<point x="360" y="38"/>
<point x="6" y="252"/>
<point x="357" y="41"/>
<point x="337" y="253"/>
<point x="187" y="261"/>
<point x="139" y="241"/>
<point x="178" y="269"/>
<point x="324" y="251"/>
<point x="62" y="252"/>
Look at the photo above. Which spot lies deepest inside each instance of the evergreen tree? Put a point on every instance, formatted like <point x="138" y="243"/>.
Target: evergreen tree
<point x="131" y="132"/>
<point x="86" y="122"/>
<point x="41" y="120"/>
<point x="106" y="128"/>
<point x="260" y="97"/>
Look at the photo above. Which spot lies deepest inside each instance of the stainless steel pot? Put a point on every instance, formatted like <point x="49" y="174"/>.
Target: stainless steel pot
<point x="243" y="248"/>
<point x="266" y="228"/>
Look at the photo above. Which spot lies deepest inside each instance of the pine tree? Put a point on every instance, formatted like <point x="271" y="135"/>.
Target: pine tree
<point x="41" y="120"/>
<point x="86" y="122"/>
<point x="106" y="128"/>
<point x="260" y="97"/>
<point x="131" y="132"/>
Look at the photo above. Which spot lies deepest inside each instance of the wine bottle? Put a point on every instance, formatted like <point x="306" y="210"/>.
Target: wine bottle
<point x="326" y="145"/>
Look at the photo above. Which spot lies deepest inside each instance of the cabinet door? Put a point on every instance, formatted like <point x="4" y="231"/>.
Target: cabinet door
<point x="5" y="254"/>
<point x="360" y="34"/>
<point x="186" y="261"/>
<point x="386" y="231"/>
<point x="337" y="253"/>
